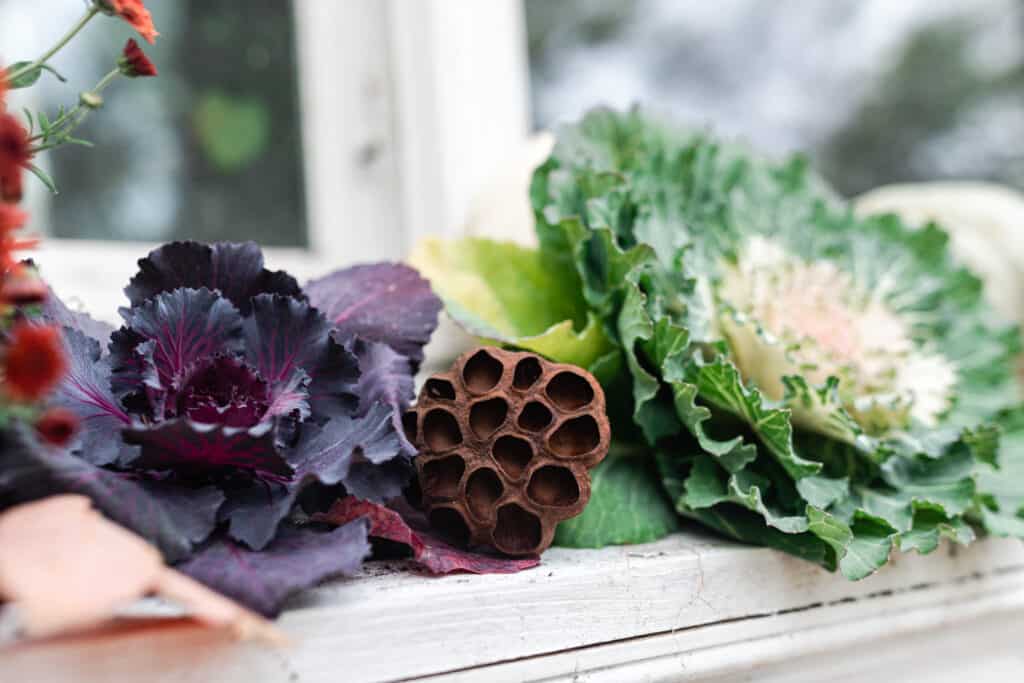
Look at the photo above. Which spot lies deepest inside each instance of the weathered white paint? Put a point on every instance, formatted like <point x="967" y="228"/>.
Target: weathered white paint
<point x="686" y="608"/>
<point x="352" y="178"/>
<point x="460" y="75"/>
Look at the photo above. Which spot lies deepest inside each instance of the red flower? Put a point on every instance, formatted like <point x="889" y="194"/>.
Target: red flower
<point x="22" y="286"/>
<point x="34" y="361"/>
<point x="136" y="14"/>
<point x="11" y="218"/>
<point x="134" y="61"/>
<point x="15" y="153"/>
<point x="57" y="426"/>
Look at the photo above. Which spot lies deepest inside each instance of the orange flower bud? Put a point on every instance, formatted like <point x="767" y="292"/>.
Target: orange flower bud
<point x="136" y="14"/>
<point x="57" y="426"/>
<point x="15" y="153"/>
<point x="134" y="62"/>
<point x="22" y="286"/>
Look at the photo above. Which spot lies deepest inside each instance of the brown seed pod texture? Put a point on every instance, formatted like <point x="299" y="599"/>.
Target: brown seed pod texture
<point x="506" y="441"/>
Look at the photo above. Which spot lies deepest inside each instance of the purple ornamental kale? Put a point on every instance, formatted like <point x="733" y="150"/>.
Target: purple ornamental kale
<point x="229" y="384"/>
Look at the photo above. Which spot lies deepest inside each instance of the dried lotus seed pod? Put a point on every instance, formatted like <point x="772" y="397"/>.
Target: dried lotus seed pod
<point x="506" y="442"/>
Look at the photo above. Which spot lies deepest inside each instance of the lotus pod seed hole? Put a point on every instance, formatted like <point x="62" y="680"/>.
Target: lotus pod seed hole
<point x="450" y="523"/>
<point x="554" y="486"/>
<point x="441" y="430"/>
<point x="512" y="454"/>
<point x="534" y="417"/>
<point x="528" y="371"/>
<point x="441" y="477"/>
<point x="569" y="391"/>
<point x="483" y="489"/>
<point x="485" y="417"/>
<point x="440" y="389"/>
<point x="482" y="372"/>
<point x="575" y="437"/>
<point x="517" y="532"/>
<point x="410" y="425"/>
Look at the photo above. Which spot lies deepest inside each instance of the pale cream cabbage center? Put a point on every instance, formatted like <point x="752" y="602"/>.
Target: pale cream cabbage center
<point x="783" y="316"/>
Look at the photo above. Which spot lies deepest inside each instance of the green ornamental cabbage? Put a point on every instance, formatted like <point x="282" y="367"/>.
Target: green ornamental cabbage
<point x="796" y="376"/>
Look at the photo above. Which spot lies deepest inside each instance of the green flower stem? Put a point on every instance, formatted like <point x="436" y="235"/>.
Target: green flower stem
<point x="73" y="118"/>
<point x="28" y="68"/>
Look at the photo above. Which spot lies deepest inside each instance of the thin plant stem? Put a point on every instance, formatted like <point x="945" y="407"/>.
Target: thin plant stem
<point x="28" y="68"/>
<point x="75" y="116"/>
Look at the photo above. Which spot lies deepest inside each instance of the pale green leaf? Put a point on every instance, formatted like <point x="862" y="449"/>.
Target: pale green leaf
<point x="504" y="293"/>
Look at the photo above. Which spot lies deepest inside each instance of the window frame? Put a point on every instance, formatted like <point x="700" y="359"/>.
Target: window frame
<point x="407" y="109"/>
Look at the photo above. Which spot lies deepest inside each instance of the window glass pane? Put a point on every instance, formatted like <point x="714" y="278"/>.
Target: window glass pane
<point x="877" y="91"/>
<point x="211" y="149"/>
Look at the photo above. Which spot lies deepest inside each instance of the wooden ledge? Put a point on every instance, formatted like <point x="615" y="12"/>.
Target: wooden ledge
<point x="689" y="604"/>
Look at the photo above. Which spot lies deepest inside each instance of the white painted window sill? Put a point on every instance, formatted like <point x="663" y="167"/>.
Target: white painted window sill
<point x="690" y="607"/>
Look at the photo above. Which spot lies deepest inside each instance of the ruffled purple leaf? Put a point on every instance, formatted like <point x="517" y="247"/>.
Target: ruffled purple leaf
<point x="385" y="377"/>
<point x="297" y="559"/>
<point x="57" y="312"/>
<point x="334" y="386"/>
<point x="287" y="341"/>
<point x="428" y="550"/>
<point x="234" y="269"/>
<point x="379" y="482"/>
<point x="254" y="510"/>
<point x="172" y="516"/>
<point x="134" y="379"/>
<point x="224" y="390"/>
<point x="85" y="390"/>
<point x="185" y="326"/>
<point x="328" y="451"/>
<point x="346" y="450"/>
<point x="383" y="302"/>
<point x="195" y="449"/>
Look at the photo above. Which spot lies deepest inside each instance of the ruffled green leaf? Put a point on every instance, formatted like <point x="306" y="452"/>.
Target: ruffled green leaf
<point x="808" y="379"/>
<point x="719" y="384"/>
<point x="504" y="293"/>
<point x="931" y="524"/>
<point x="654" y="220"/>
<point x="705" y="488"/>
<point x="627" y="505"/>
<point x="861" y="547"/>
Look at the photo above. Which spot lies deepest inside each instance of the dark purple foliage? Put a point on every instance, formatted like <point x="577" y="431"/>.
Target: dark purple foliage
<point x="387" y="303"/>
<point x="289" y="343"/>
<point x="235" y="270"/>
<point x="86" y="391"/>
<point x="171" y="516"/>
<point x="195" y="449"/>
<point x="167" y="339"/>
<point x="388" y="379"/>
<point x="259" y="394"/>
<point x="324" y="456"/>
<point x="225" y="390"/>
<point x="55" y="311"/>
<point x="225" y="396"/>
<point x="298" y="558"/>
<point x="226" y="381"/>
<point x="428" y="551"/>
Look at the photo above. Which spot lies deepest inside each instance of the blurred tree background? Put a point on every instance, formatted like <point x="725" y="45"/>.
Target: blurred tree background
<point x="875" y="91"/>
